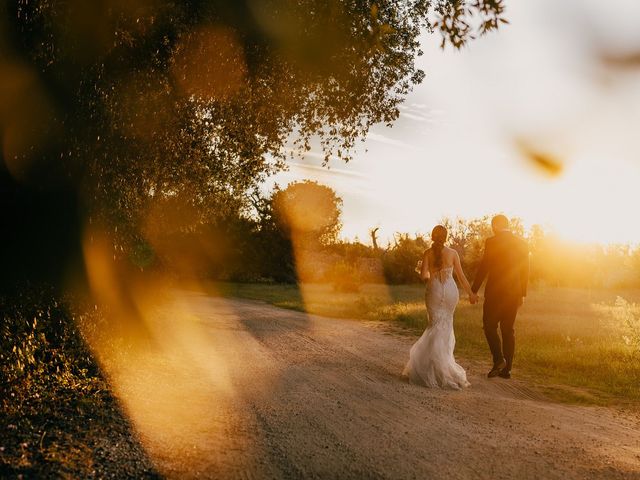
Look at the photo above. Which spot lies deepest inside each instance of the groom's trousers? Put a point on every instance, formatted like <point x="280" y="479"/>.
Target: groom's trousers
<point x="500" y="313"/>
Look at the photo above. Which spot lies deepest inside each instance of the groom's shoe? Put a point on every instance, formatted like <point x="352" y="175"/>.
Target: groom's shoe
<point x="504" y="373"/>
<point x="497" y="368"/>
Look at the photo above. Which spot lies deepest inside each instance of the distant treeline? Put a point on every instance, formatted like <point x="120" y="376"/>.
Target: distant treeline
<point x="293" y="236"/>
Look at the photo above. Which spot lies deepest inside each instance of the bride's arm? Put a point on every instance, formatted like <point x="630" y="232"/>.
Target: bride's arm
<point x="424" y="271"/>
<point x="460" y="274"/>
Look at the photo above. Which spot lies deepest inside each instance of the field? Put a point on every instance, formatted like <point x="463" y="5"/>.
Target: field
<point x="577" y="346"/>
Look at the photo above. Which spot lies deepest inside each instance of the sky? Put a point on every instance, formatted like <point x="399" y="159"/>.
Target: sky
<point x="563" y="79"/>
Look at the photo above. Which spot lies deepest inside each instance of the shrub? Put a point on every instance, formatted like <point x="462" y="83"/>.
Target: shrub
<point x="40" y="345"/>
<point x="399" y="261"/>
<point x="627" y="317"/>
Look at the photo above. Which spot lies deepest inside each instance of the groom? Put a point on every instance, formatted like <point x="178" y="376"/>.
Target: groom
<point x="506" y="264"/>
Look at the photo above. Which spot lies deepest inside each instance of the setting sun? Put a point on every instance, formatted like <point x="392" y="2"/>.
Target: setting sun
<point x="586" y="203"/>
<point x="456" y="151"/>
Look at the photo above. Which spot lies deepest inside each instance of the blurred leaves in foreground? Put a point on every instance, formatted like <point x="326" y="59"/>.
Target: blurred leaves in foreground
<point x="543" y="161"/>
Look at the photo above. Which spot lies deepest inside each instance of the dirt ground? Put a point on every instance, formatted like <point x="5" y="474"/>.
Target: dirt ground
<point x="259" y="392"/>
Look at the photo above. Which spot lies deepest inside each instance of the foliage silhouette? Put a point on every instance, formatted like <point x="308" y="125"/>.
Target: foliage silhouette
<point x="118" y="104"/>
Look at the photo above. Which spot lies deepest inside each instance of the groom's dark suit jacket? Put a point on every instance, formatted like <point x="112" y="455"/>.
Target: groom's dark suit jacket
<point x="505" y="264"/>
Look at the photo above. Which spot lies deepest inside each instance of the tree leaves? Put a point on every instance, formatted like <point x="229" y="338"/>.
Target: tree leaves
<point x="204" y="99"/>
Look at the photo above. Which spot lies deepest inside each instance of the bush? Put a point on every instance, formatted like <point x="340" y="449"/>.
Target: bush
<point x="399" y="261"/>
<point x="40" y="345"/>
<point x="58" y="417"/>
<point x="627" y="317"/>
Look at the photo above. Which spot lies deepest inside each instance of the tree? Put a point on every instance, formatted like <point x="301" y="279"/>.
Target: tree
<point x="114" y="105"/>
<point x="374" y="237"/>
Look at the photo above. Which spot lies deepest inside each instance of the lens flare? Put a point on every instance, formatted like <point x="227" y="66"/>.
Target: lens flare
<point x="171" y="356"/>
<point x="310" y="212"/>
<point x="28" y="119"/>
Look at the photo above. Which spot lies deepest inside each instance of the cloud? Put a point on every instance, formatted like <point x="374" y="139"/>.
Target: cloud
<point x="325" y="170"/>
<point x="417" y="118"/>
<point x="419" y="112"/>
<point x="377" y="137"/>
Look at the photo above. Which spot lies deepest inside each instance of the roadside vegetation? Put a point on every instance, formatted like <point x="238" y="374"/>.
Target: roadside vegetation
<point x="575" y="345"/>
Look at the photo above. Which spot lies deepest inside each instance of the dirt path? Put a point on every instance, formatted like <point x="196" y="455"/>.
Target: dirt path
<point x="281" y="394"/>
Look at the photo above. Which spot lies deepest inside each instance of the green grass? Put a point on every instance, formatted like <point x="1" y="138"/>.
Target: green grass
<point x="575" y="345"/>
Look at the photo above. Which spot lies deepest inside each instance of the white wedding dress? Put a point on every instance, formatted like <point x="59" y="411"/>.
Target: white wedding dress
<point x="431" y="362"/>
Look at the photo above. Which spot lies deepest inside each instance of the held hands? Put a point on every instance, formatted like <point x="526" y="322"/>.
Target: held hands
<point x="473" y="298"/>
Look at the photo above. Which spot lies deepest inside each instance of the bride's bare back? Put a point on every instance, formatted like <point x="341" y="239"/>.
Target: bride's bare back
<point x="449" y="259"/>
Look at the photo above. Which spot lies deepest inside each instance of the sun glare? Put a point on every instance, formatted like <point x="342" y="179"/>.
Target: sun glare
<point x="587" y="203"/>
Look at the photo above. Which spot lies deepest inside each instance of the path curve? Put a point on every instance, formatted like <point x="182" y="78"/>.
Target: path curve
<point x="300" y="396"/>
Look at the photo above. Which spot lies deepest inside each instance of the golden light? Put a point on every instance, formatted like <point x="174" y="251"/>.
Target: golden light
<point x="308" y="211"/>
<point x="587" y="203"/>
<point x="173" y="357"/>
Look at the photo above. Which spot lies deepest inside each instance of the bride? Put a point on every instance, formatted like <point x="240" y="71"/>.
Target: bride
<point x="431" y="361"/>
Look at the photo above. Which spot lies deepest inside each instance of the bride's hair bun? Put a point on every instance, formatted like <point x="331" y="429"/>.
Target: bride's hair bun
<point x="438" y="237"/>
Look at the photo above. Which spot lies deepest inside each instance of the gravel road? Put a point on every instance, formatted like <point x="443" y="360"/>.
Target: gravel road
<point x="259" y="392"/>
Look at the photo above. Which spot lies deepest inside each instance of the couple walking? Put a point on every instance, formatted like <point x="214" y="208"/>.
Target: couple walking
<point x="505" y="265"/>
